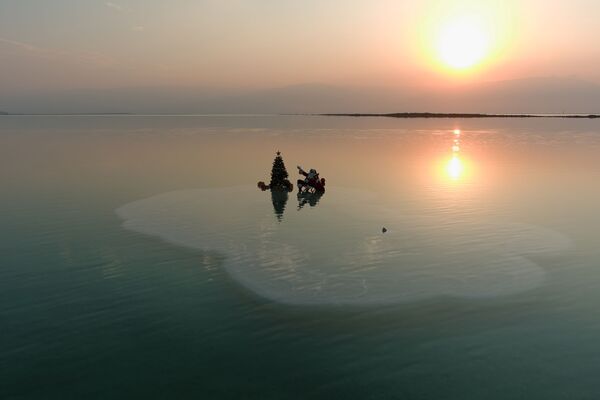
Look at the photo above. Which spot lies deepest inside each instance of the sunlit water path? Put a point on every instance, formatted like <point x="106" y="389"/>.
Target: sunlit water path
<point x="139" y="259"/>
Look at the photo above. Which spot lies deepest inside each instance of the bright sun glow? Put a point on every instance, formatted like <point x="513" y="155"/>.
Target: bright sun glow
<point x="463" y="42"/>
<point x="462" y="38"/>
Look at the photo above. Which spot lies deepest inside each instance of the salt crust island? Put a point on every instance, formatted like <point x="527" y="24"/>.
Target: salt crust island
<point x="337" y="254"/>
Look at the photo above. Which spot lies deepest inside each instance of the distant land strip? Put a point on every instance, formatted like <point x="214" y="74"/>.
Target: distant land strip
<point x="389" y="115"/>
<point x="463" y="115"/>
<point x="62" y="114"/>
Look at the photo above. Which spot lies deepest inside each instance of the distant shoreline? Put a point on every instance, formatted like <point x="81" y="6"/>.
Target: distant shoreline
<point x="462" y="115"/>
<point x="388" y="115"/>
<point x="61" y="114"/>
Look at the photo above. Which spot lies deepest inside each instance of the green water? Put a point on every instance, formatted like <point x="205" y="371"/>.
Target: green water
<point x="138" y="259"/>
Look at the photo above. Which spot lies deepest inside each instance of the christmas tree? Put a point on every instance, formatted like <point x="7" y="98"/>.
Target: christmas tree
<point x="279" y="175"/>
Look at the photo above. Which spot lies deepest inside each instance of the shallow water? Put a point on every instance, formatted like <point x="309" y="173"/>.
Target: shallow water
<point x="140" y="260"/>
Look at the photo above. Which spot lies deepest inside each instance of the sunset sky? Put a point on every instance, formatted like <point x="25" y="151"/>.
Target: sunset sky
<point x="74" y="44"/>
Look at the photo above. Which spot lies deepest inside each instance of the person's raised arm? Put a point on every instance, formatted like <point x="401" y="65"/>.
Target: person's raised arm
<point x="302" y="171"/>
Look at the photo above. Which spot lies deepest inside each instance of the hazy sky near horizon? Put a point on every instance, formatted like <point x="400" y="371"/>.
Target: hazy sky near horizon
<point x="70" y="44"/>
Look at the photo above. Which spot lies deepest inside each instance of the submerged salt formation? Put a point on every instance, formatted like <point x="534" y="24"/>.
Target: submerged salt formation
<point x="336" y="253"/>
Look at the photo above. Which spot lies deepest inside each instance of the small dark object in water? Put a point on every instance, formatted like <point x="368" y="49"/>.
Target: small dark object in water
<point x="261" y="185"/>
<point x="384" y="229"/>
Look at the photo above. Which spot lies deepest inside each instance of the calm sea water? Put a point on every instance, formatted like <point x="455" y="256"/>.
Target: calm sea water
<point x="139" y="260"/>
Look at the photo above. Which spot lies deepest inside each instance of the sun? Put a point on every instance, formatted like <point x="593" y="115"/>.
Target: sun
<point x="463" y="42"/>
<point x="461" y="39"/>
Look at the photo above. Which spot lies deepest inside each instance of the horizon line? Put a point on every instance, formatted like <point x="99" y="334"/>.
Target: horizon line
<point x="432" y="115"/>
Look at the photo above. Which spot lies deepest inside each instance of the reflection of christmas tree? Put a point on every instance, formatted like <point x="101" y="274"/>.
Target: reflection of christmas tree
<point x="279" y="199"/>
<point x="279" y="175"/>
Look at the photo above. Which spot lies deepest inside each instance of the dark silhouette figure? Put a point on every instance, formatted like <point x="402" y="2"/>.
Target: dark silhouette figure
<point x="311" y="183"/>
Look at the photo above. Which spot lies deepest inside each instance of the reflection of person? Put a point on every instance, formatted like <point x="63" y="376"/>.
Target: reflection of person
<point x="308" y="198"/>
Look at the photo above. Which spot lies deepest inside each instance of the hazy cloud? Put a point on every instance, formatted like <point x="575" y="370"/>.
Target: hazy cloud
<point x="24" y="46"/>
<point x="137" y="28"/>
<point x="84" y="57"/>
<point x="114" y="6"/>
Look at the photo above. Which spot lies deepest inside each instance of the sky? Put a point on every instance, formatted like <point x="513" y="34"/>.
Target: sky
<point x="63" y="45"/>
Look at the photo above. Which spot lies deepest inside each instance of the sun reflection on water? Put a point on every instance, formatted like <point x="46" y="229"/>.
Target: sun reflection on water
<point x="454" y="167"/>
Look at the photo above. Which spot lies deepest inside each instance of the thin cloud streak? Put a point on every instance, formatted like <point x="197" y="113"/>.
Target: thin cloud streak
<point x="90" y="58"/>
<point x="113" y="6"/>
<point x="23" y="45"/>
